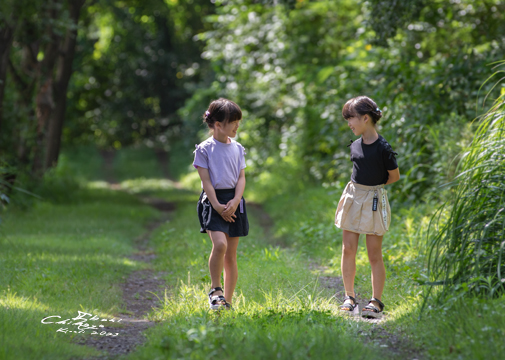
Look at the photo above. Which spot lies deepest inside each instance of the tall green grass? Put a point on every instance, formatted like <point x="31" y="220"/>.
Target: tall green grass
<point x="467" y="247"/>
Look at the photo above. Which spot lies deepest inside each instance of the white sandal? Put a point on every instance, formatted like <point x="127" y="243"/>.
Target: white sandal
<point x="216" y="302"/>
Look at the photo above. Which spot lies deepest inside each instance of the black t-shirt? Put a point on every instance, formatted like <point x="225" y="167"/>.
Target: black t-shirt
<point x="371" y="162"/>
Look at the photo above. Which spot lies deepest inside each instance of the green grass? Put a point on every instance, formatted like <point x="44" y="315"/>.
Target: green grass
<point x="135" y="164"/>
<point x="455" y="329"/>
<point x="83" y="162"/>
<point x="69" y="255"/>
<point x="467" y="249"/>
<point x="280" y="309"/>
<point x="57" y="259"/>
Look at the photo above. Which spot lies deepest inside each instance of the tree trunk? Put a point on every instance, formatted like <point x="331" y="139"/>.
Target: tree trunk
<point x="45" y="105"/>
<point x="6" y="36"/>
<point x="44" y="100"/>
<point x="23" y="79"/>
<point x="64" y="72"/>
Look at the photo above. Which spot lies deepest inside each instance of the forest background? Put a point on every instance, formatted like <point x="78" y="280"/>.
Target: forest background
<point x="117" y="74"/>
<point x="82" y="79"/>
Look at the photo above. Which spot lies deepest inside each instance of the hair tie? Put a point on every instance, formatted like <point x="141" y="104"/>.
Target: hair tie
<point x="207" y="114"/>
<point x="379" y="110"/>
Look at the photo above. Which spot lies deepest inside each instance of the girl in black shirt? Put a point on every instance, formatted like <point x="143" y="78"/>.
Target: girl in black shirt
<point x="364" y="207"/>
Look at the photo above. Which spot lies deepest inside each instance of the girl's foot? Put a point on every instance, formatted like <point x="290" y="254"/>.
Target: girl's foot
<point x="216" y="301"/>
<point x="350" y="306"/>
<point x="374" y="309"/>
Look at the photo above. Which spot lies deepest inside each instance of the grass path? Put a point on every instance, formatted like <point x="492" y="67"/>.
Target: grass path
<point x="79" y="253"/>
<point x="142" y="290"/>
<point x="281" y="310"/>
<point x="137" y="289"/>
<point x="89" y="253"/>
<point x="371" y="333"/>
<point x="59" y="259"/>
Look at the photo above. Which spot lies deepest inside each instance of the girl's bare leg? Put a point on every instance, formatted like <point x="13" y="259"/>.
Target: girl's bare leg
<point x="216" y="259"/>
<point x="348" y="265"/>
<point x="230" y="268"/>
<point x="374" y="249"/>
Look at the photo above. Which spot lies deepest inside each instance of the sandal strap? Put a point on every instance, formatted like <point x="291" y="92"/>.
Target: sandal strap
<point x="349" y="305"/>
<point x="347" y="297"/>
<point x="374" y="308"/>
<point x="378" y="302"/>
<point x="218" y="298"/>
<point x="212" y="291"/>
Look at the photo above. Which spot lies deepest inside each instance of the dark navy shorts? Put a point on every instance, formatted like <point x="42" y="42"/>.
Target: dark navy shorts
<point x="211" y="220"/>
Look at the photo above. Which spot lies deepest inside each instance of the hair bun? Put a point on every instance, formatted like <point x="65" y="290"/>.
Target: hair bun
<point x="222" y="110"/>
<point x="361" y="105"/>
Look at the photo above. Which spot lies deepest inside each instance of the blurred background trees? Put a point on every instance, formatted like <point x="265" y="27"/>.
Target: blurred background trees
<point x="115" y="74"/>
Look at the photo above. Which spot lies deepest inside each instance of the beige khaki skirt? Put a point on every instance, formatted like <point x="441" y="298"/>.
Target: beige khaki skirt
<point x="355" y="209"/>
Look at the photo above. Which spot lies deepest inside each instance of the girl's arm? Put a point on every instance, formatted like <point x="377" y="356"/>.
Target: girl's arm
<point x="211" y="193"/>
<point x="239" y="191"/>
<point x="394" y="176"/>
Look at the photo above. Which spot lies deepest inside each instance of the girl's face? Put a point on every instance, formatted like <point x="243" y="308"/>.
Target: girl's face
<point x="229" y="129"/>
<point x="358" y="124"/>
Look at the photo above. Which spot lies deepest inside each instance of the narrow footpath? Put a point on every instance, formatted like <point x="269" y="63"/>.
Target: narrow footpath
<point x="143" y="290"/>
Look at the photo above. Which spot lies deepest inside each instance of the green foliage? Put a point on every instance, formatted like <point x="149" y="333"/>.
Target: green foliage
<point x="291" y="69"/>
<point x="133" y="163"/>
<point x="138" y="65"/>
<point x="84" y="162"/>
<point x="467" y="249"/>
<point x="386" y="17"/>
<point x="467" y="329"/>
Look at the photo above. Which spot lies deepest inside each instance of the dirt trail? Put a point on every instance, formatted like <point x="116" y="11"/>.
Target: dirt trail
<point x="142" y="290"/>
<point x="398" y="346"/>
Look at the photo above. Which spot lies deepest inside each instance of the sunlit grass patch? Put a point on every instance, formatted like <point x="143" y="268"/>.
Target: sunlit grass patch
<point x="286" y="325"/>
<point x="280" y="309"/>
<point x="141" y="185"/>
<point x="57" y="259"/>
<point x="468" y="329"/>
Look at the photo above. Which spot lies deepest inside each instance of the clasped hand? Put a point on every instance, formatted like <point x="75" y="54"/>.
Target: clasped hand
<point x="228" y="211"/>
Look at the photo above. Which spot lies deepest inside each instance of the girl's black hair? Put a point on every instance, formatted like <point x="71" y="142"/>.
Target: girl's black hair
<point x="362" y="105"/>
<point x="223" y="111"/>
